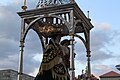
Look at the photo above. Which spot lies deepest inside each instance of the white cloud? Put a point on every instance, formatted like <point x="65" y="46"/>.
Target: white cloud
<point x="101" y="53"/>
<point x="101" y="69"/>
<point x="102" y="26"/>
<point x="38" y="57"/>
<point x="35" y="72"/>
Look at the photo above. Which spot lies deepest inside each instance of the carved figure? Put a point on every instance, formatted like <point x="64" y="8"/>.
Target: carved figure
<point x="53" y="66"/>
<point x="66" y="52"/>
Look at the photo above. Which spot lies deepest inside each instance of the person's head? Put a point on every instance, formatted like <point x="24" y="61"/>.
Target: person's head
<point x="56" y="38"/>
<point x="65" y="42"/>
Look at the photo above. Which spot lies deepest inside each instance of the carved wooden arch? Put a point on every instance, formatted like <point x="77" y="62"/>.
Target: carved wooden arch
<point x="86" y="34"/>
<point x="86" y="42"/>
<point x="38" y="18"/>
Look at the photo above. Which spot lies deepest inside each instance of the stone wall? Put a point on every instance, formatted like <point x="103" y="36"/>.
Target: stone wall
<point x="10" y="74"/>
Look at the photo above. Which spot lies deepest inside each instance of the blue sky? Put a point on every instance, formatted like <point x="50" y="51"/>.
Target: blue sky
<point x="105" y="12"/>
<point x="102" y="10"/>
<point x="105" y="38"/>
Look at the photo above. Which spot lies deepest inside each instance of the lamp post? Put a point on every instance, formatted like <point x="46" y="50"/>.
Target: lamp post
<point x="118" y="67"/>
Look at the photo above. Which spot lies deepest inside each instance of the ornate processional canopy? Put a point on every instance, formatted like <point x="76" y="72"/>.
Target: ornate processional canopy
<point x="56" y="17"/>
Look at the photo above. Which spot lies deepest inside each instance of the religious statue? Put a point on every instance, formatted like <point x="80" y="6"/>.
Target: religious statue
<point x="66" y="52"/>
<point x="52" y="65"/>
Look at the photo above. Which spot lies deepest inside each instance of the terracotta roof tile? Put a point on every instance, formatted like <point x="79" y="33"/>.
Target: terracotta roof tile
<point x="111" y="74"/>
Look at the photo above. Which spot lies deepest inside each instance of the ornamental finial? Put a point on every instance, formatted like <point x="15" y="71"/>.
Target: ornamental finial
<point x="24" y="7"/>
<point x="89" y="16"/>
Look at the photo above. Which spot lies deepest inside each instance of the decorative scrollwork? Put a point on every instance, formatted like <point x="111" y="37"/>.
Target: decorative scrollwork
<point x="44" y="3"/>
<point x="48" y="30"/>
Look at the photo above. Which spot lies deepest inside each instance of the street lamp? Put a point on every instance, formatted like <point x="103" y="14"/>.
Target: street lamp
<point x="118" y="67"/>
